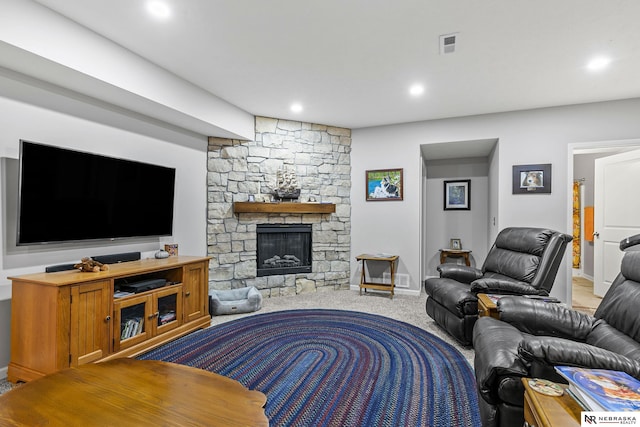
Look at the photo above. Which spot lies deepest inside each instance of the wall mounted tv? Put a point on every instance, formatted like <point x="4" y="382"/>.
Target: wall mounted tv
<point x="68" y="195"/>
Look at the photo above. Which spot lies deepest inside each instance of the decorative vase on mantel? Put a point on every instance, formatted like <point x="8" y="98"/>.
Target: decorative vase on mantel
<point x="287" y="188"/>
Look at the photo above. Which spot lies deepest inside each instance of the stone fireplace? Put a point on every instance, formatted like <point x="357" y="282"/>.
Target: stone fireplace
<point x="321" y="158"/>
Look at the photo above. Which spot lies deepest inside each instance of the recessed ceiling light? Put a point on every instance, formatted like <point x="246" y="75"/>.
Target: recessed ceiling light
<point x="158" y="9"/>
<point x="598" y="63"/>
<point x="296" y="108"/>
<point x="416" y="90"/>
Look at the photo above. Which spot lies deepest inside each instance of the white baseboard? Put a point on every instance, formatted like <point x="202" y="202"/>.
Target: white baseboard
<point x="580" y="273"/>
<point x="397" y="291"/>
<point x="3" y="373"/>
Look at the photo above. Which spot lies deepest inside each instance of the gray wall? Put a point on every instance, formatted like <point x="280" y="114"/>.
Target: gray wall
<point x="5" y="336"/>
<point x="469" y="226"/>
<point x="524" y="137"/>
<point x="110" y="134"/>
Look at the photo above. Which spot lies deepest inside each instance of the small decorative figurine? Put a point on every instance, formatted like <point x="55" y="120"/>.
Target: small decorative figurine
<point x="287" y="185"/>
<point x="89" y="265"/>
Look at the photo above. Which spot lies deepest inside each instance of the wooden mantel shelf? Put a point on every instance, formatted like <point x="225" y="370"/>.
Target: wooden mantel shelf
<point x="284" y="207"/>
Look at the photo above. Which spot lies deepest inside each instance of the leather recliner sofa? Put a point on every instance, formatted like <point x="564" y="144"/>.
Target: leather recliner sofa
<point x="532" y="337"/>
<point x="522" y="261"/>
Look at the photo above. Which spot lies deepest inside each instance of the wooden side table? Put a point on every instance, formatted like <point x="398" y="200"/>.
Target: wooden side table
<point x="455" y="253"/>
<point x="364" y="284"/>
<point x="541" y="410"/>
<point x="488" y="303"/>
<point x="487" y="306"/>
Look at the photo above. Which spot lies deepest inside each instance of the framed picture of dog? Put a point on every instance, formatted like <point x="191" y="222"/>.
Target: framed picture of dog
<point x="384" y="184"/>
<point x="530" y="179"/>
<point x="457" y="195"/>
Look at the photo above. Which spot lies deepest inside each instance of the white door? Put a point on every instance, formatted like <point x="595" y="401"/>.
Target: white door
<point x="616" y="213"/>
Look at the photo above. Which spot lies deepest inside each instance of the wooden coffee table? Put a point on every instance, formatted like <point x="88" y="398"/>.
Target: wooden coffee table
<point x="130" y="392"/>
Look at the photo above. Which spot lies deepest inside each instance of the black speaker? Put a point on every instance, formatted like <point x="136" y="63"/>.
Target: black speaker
<point x="116" y="258"/>
<point x="59" y="267"/>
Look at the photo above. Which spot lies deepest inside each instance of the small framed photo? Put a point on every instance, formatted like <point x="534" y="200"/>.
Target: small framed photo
<point x="457" y="195"/>
<point x="455" y="244"/>
<point x="384" y="184"/>
<point x="172" y="248"/>
<point x="529" y="179"/>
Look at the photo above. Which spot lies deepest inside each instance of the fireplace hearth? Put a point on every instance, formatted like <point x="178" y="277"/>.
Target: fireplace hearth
<point x="283" y="249"/>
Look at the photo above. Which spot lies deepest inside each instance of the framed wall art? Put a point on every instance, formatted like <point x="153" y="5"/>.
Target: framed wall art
<point x="455" y="244"/>
<point x="529" y="179"/>
<point x="384" y="184"/>
<point x="457" y="195"/>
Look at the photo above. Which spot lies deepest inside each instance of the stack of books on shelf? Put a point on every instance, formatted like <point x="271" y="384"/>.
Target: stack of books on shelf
<point x="602" y="390"/>
<point x="131" y="327"/>
<point x="166" y="317"/>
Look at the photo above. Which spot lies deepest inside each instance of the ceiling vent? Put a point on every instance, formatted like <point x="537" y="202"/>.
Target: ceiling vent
<point x="448" y="43"/>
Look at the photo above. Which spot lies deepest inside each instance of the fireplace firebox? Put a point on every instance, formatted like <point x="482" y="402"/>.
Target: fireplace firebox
<point x="283" y="249"/>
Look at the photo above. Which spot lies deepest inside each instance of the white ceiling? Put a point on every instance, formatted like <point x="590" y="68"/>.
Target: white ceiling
<point x="351" y="62"/>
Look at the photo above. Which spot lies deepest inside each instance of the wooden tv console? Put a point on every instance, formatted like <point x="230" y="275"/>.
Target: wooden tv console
<point x="69" y="318"/>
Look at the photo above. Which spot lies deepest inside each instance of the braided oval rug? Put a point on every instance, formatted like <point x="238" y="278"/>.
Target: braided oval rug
<point x="336" y="368"/>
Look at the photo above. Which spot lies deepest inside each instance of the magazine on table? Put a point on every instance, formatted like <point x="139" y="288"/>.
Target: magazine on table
<point x="601" y="389"/>
<point x="545" y="298"/>
<point x="495" y="297"/>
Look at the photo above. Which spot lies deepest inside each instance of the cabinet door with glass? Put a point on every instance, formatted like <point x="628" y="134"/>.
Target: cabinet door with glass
<point x="133" y="320"/>
<point x="167" y="308"/>
<point x="146" y="315"/>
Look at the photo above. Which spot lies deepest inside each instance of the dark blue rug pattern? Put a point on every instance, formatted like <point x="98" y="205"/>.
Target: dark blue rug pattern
<point x="336" y="368"/>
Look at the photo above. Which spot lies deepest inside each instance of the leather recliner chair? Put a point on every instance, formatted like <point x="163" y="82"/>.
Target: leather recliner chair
<point x="532" y="337"/>
<point x="522" y="261"/>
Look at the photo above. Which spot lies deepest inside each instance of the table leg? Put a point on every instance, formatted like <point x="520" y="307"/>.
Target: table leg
<point x="393" y="275"/>
<point x="362" y="277"/>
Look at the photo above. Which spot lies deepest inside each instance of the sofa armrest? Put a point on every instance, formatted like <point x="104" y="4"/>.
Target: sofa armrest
<point x="460" y="273"/>
<point x="541" y="318"/>
<point x="492" y="285"/>
<point x="558" y="351"/>
<point x="496" y="347"/>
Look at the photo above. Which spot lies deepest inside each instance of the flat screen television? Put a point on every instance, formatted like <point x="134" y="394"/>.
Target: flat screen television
<point x="68" y="195"/>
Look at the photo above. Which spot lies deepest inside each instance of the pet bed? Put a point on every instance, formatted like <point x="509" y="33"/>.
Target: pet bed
<point x="233" y="301"/>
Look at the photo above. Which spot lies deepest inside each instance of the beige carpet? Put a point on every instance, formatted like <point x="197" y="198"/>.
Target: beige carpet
<point x="409" y="309"/>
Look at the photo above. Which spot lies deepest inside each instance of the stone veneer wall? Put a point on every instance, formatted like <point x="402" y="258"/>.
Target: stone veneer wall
<point x="321" y="157"/>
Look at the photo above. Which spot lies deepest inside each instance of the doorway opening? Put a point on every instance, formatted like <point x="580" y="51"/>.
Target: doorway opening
<point x="588" y="262"/>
